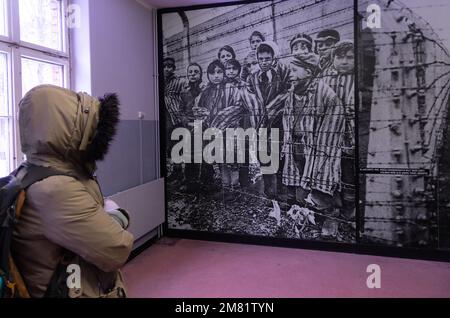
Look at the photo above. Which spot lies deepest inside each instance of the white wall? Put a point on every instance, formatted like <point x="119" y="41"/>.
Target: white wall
<point x="117" y="36"/>
<point x="81" y="51"/>
<point x="122" y="54"/>
<point x="113" y="51"/>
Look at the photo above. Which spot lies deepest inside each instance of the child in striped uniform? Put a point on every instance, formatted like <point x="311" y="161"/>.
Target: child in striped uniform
<point x="215" y="106"/>
<point x="234" y="89"/>
<point x="263" y="87"/>
<point x="250" y="62"/>
<point x="313" y="121"/>
<point x="325" y="41"/>
<point x="172" y="93"/>
<point x="301" y="50"/>
<point x="339" y="75"/>
<point x="342" y="81"/>
<point x="197" y="175"/>
<point x="207" y="105"/>
<point x="344" y="63"/>
<point x="173" y="104"/>
<point x="232" y="103"/>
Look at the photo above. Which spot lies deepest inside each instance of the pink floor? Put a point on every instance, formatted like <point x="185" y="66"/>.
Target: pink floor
<point x="187" y="268"/>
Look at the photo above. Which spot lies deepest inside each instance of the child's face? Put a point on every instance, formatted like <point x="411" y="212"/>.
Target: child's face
<point x="253" y="66"/>
<point x="255" y="41"/>
<point x="345" y="63"/>
<point x="168" y="70"/>
<point x="216" y="77"/>
<point x="231" y="71"/>
<point x="265" y="60"/>
<point x="225" y="56"/>
<point x="298" y="74"/>
<point x="300" y="48"/>
<point x="193" y="74"/>
<point x="324" y="47"/>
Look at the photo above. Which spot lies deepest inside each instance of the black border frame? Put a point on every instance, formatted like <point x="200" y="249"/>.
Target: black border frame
<point x="355" y="248"/>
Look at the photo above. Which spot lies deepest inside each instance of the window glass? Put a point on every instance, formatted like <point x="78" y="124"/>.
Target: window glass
<point x="36" y="73"/>
<point x="3" y="28"/>
<point x="40" y="23"/>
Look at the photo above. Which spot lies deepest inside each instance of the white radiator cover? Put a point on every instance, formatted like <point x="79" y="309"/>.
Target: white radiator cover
<point x="146" y="206"/>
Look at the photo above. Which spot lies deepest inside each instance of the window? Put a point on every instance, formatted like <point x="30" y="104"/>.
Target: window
<point x="5" y="124"/>
<point x="40" y="23"/>
<point x="3" y="84"/>
<point x="36" y="72"/>
<point x="3" y="30"/>
<point x="33" y="51"/>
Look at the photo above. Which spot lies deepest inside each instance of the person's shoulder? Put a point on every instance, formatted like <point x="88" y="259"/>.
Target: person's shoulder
<point x="55" y="186"/>
<point x="320" y="82"/>
<point x="177" y="80"/>
<point x="281" y="64"/>
<point x="329" y="71"/>
<point x="181" y="81"/>
<point x="254" y="76"/>
<point x="325" y="91"/>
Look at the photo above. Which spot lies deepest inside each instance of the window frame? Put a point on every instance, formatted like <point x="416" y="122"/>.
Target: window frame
<point x="16" y="49"/>
<point x="42" y="57"/>
<point x="6" y="24"/>
<point x="10" y="114"/>
<point x="15" y="31"/>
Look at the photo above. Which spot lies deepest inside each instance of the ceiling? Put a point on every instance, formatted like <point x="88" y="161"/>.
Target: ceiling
<point x="178" y="3"/>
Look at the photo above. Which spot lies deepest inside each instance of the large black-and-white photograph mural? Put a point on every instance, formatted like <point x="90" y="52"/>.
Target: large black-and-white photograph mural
<point x="260" y="119"/>
<point x="281" y="122"/>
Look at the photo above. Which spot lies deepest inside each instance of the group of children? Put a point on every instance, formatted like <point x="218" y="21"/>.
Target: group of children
<point x="309" y="99"/>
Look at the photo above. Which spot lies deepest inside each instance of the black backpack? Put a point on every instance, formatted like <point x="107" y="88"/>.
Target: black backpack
<point x="12" y="200"/>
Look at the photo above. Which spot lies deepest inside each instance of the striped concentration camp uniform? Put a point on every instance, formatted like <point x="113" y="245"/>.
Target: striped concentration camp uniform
<point x="314" y="123"/>
<point x="260" y="94"/>
<point x="344" y="87"/>
<point x="230" y="115"/>
<point x="172" y="99"/>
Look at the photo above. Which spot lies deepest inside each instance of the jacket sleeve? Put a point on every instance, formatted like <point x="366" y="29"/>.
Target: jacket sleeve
<point x="72" y="219"/>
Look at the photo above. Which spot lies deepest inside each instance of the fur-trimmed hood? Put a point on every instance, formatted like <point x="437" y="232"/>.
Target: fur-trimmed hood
<point x="66" y="130"/>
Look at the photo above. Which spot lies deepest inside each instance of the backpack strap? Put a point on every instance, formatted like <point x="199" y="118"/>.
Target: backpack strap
<point x="29" y="174"/>
<point x="33" y="174"/>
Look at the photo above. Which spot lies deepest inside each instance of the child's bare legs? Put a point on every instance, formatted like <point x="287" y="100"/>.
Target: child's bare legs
<point x="230" y="180"/>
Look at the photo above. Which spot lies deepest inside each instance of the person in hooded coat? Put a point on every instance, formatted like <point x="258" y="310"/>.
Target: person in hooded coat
<point x="66" y="216"/>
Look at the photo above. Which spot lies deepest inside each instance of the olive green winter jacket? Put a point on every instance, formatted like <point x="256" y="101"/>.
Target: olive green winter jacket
<point x="65" y="213"/>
